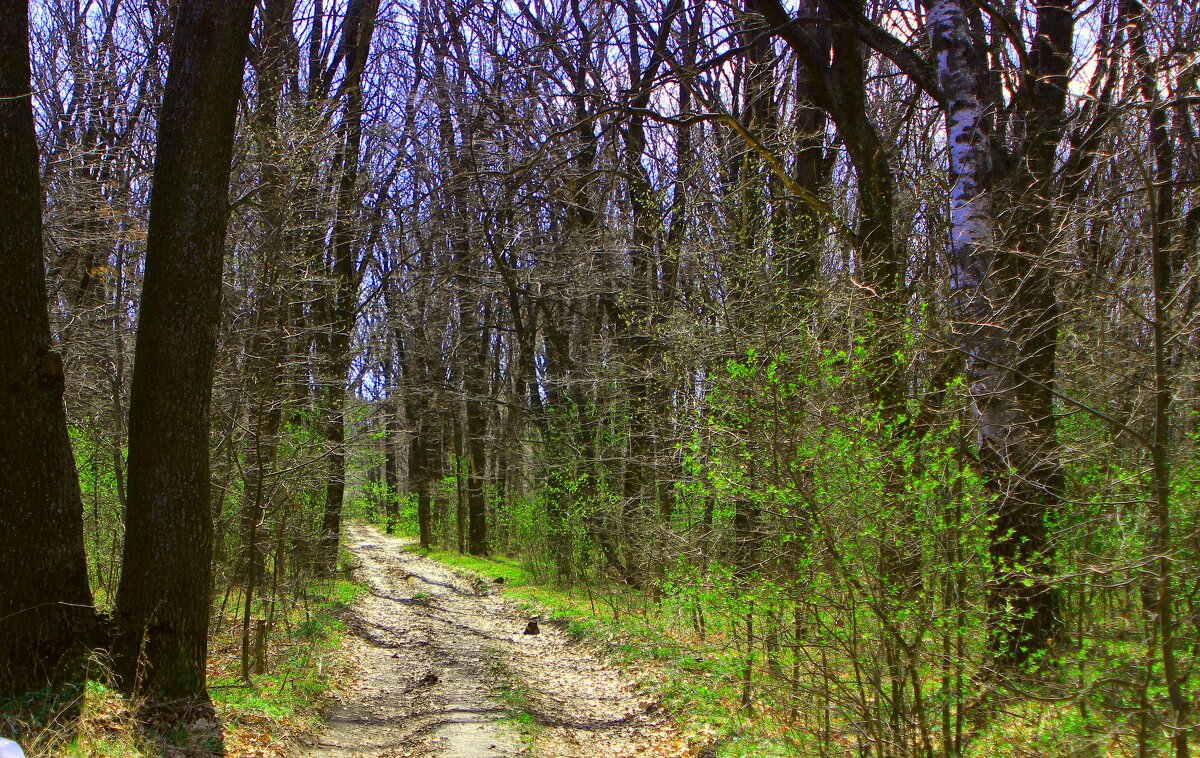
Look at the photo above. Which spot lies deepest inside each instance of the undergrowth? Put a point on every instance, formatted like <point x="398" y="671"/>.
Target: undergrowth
<point x="252" y="719"/>
<point x="699" y="678"/>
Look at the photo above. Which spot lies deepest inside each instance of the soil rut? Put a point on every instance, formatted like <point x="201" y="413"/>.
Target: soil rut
<point x="444" y="669"/>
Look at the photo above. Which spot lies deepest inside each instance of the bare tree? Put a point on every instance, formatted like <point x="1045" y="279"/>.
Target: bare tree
<point x="342" y="301"/>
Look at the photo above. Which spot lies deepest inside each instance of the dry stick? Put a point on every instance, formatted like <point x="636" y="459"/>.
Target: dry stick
<point x="919" y="705"/>
<point x="748" y="670"/>
<point x="884" y="619"/>
<point x="118" y="381"/>
<point x="773" y="162"/>
<point x="1144" y="704"/>
<point x="224" y="601"/>
<point x="251" y="546"/>
<point x="276" y="571"/>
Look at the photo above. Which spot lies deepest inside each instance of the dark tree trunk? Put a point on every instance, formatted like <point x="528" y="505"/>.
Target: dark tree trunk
<point x="836" y="69"/>
<point x="45" y="604"/>
<point x="266" y="349"/>
<point x="419" y="480"/>
<point x="476" y="428"/>
<point x="473" y="314"/>
<point x="460" y="503"/>
<point x="643" y="313"/>
<point x="163" y="599"/>
<point x="391" y="472"/>
<point x="803" y="231"/>
<point x="357" y="31"/>
<point x="1163" y="264"/>
<point x="475" y="422"/>
<point x="418" y="407"/>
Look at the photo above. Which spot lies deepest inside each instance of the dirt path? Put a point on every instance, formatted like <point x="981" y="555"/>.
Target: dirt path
<point x="444" y="669"/>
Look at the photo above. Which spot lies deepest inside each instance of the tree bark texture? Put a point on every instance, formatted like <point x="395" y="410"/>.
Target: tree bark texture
<point x="1161" y="189"/>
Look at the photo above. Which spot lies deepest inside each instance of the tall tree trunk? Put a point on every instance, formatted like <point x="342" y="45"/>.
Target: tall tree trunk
<point x="419" y="480"/>
<point x="45" y="603"/>
<point x="836" y="78"/>
<point x="265" y="349"/>
<point x="391" y="464"/>
<point x="473" y="306"/>
<point x="643" y="312"/>
<point x="1021" y="603"/>
<point x="1161" y="196"/>
<point x="419" y="410"/>
<point x="163" y="599"/>
<point x="475" y="386"/>
<point x="357" y="30"/>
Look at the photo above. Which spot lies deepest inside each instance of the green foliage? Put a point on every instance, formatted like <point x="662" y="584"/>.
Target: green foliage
<point x="299" y="673"/>
<point x="95" y="462"/>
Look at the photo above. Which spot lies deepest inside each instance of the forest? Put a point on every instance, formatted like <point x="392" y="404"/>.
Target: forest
<point x="854" y="339"/>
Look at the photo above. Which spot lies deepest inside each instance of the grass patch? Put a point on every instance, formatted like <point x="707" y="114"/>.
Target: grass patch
<point x="698" y="678"/>
<point x="75" y="721"/>
<point x="513" y="574"/>
<point x="95" y="719"/>
<point x="580" y="617"/>
<point x="302" y="668"/>
<point x="514" y="695"/>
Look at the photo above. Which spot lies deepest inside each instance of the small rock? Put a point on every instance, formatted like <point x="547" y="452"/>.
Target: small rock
<point x="428" y="680"/>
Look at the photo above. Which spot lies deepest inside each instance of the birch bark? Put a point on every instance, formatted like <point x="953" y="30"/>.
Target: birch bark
<point x="1021" y="602"/>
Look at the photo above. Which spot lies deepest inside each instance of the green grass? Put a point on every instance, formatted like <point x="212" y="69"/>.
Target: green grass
<point x="490" y="568"/>
<point x="513" y="694"/>
<point x="580" y="617"/>
<point x="301" y="661"/>
<point x="94" y="719"/>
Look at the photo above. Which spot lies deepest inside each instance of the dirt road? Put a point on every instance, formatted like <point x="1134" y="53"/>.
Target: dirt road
<point x="444" y="669"/>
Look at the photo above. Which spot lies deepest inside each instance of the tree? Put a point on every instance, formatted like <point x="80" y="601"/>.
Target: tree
<point x="45" y="604"/>
<point x="162" y="605"/>
<point x="357" y="30"/>
<point x="1164" y="265"/>
<point x="266" y="344"/>
<point x="1006" y="311"/>
<point x="863" y="331"/>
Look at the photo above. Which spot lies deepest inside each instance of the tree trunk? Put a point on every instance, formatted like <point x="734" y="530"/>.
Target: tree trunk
<point x="1160" y="191"/>
<point x="1021" y="603"/>
<point x="357" y="30"/>
<point x="391" y="467"/>
<point x="419" y="480"/>
<point x="163" y="599"/>
<point x="265" y="349"/>
<point x="476" y="429"/>
<point x="45" y="603"/>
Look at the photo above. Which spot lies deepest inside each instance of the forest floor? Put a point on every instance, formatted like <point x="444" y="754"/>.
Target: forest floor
<point x="444" y="668"/>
